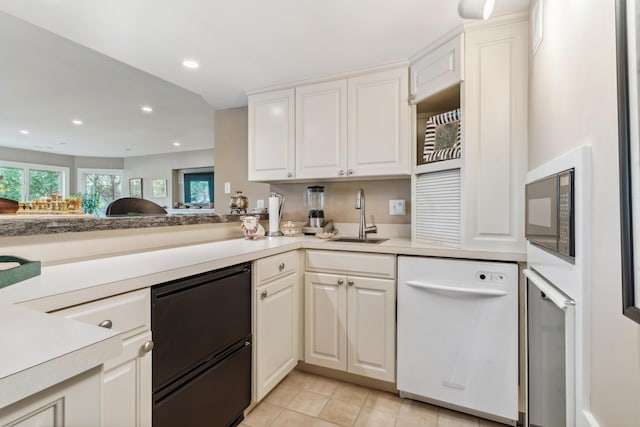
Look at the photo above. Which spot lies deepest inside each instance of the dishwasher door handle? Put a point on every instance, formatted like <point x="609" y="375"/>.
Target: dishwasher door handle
<point x="457" y="290"/>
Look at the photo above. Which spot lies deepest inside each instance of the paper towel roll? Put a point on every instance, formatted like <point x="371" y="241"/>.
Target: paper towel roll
<point x="274" y="214"/>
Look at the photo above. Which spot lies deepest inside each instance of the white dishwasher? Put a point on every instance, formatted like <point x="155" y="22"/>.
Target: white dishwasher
<point x="458" y="335"/>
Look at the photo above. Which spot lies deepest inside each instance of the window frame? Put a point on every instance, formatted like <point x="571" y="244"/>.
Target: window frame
<point x="27" y="167"/>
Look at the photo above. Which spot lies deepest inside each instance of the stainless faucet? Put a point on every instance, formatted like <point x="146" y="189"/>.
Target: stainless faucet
<point x="363" y="230"/>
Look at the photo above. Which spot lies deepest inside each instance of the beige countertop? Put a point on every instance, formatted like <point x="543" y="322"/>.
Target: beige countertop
<point x="52" y="343"/>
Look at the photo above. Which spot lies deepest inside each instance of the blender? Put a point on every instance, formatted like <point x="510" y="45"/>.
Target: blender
<point x="315" y="202"/>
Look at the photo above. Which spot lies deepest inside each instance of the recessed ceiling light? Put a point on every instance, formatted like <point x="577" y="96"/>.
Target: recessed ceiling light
<point x="190" y="63"/>
<point x="76" y="122"/>
<point x="128" y="149"/>
<point x="24" y="131"/>
<point x="176" y="143"/>
<point x="63" y="143"/>
<point x="147" y="109"/>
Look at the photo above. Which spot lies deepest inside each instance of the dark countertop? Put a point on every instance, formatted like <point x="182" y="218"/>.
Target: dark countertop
<point x="68" y="224"/>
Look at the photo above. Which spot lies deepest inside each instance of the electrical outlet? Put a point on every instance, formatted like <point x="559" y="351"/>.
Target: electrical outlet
<point x="397" y="207"/>
<point x="227" y="188"/>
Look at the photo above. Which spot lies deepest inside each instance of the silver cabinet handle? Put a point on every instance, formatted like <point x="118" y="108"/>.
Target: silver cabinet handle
<point x="281" y="266"/>
<point x="289" y="175"/>
<point x="263" y="295"/>
<point x="106" y="324"/>
<point x="350" y="282"/>
<point x="147" y="346"/>
<point x="340" y="282"/>
<point x="341" y="173"/>
<point x="350" y="172"/>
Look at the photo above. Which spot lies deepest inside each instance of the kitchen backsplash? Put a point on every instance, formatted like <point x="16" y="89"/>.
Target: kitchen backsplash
<point x="340" y="198"/>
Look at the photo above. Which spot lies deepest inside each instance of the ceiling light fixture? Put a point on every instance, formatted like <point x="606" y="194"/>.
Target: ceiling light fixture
<point x="128" y="149"/>
<point x="147" y="109"/>
<point x="76" y="122"/>
<point x="190" y="64"/>
<point x="24" y="131"/>
<point x="475" y="9"/>
<point x="176" y="143"/>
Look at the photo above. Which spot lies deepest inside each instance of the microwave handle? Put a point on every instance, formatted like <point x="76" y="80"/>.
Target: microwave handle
<point x="549" y="290"/>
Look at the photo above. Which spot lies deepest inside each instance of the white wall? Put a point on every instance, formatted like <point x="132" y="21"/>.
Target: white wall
<point x="572" y="101"/>
<point x="53" y="159"/>
<point x="163" y="166"/>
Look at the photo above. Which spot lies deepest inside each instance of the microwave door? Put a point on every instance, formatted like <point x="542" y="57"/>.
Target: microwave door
<point x="542" y="212"/>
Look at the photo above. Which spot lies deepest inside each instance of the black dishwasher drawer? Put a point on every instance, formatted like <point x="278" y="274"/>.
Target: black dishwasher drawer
<point x="213" y="396"/>
<point x="196" y="318"/>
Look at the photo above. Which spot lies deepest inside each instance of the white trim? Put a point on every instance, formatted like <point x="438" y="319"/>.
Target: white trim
<point x="400" y="63"/>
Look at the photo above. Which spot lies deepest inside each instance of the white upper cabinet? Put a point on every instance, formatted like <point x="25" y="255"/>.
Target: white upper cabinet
<point x="357" y="125"/>
<point x="439" y="69"/>
<point x="321" y="130"/>
<point x="271" y="136"/>
<point x="379" y="124"/>
<point x="495" y="136"/>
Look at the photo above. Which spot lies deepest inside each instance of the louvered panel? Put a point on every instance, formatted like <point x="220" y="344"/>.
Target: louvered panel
<point x="438" y="208"/>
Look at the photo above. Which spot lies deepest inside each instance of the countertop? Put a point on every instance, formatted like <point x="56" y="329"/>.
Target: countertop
<point x="33" y="225"/>
<point x="38" y="345"/>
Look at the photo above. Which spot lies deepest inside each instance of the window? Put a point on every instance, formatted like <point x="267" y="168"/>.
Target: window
<point x="100" y="187"/>
<point x="23" y="181"/>
<point x="198" y="188"/>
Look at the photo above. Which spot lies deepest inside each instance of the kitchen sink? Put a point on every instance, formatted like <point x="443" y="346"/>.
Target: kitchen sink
<point x="357" y="240"/>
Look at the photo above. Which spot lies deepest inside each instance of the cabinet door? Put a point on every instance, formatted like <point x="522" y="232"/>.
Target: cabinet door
<point x="127" y="394"/>
<point x="271" y="135"/>
<point x="437" y="70"/>
<point x="276" y="333"/>
<point x="326" y="320"/>
<point x="379" y="124"/>
<point x="371" y="332"/>
<point x="495" y="137"/>
<point x="321" y="130"/>
<point x="74" y="402"/>
<point x="127" y="397"/>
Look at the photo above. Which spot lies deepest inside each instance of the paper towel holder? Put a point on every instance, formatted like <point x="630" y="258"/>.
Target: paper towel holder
<point x="276" y="232"/>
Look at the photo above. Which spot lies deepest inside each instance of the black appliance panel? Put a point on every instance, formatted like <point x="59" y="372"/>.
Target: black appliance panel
<point x="214" y="395"/>
<point x="194" y="319"/>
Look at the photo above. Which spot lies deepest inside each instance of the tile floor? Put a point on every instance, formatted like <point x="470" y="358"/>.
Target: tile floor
<point x="306" y="400"/>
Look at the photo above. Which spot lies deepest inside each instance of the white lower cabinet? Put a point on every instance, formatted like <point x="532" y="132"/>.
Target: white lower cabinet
<point x="74" y="402"/>
<point x="126" y="388"/>
<point x="276" y="322"/>
<point x="350" y="321"/>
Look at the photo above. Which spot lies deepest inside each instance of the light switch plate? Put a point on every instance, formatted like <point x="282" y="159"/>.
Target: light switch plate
<point x="227" y="188"/>
<point x="397" y="207"/>
<point x="260" y="204"/>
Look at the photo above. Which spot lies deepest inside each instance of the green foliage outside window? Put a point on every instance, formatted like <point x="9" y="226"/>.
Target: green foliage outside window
<point x="43" y="183"/>
<point x="11" y="184"/>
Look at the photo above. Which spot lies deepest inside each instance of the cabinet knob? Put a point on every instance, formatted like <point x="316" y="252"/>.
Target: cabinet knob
<point x="263" y="295"/>
<point x="106" y="324"/>
<point x="341" y="172"/>
<point x="147" y="346"/>
<point x="350" y="282"/>
<point x="289" y="175"/>
<point x="281" y="266"/>
<point x="350" y="172"/>
<point x="340" y="282"/>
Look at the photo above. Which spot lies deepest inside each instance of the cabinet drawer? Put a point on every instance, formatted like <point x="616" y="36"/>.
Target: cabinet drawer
<point x="276" y="266"/>
<point x="352" y="263"/>
<point x="126" y="312"/>
<point x="437" y="70"/>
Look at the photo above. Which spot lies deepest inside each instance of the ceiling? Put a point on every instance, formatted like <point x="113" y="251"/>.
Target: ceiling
<point x="240" y="45"/>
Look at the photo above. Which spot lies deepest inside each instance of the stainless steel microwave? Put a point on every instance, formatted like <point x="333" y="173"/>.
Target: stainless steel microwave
<point x="549" y="213"/>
